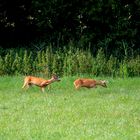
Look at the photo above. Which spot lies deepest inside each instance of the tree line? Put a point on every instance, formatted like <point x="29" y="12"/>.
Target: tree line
<point x="111" y="25"/>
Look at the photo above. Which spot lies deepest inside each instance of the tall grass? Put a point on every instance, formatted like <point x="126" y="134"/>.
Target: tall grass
<point x="67" y="61"/>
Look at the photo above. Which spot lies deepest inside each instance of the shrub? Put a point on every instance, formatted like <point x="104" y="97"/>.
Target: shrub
<point x="67" y="61"/>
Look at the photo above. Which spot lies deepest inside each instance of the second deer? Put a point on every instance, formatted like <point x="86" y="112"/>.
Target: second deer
<point x="89" y="83"/>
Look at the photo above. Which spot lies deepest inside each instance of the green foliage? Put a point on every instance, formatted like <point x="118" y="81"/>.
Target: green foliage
<point x="133" y="66"/>
<point x="1" y="66"/>
<point x="111" y="67"/>
<point x="67" y="62"/>
<point x="27" y="63"/>
<point x="70" y="62"/>
<point x="100" y="63"/>
<point x="17" y="64"/>
<point x="8" y="61"/>
<point x="123" y="70"/>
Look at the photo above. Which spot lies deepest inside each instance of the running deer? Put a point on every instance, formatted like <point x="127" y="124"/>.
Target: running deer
<point x="40" y="82"/>
<point x="89" y="83"/>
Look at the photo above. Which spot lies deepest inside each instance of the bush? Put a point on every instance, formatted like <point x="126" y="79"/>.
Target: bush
<point x="69" y="61"/>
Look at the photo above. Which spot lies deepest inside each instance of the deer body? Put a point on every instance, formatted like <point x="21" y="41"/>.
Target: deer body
<point x="40" y="82"/>
<point x="88" y="83"/>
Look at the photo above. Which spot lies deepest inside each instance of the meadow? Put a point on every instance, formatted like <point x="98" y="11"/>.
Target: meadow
<point x="63" y="113"/>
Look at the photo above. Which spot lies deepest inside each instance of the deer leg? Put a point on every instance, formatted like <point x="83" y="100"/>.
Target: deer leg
<point x="25" y="85"/>
<point x="77" y="87"/>
<point x="42" y="89"/>
<point x="49" y="87"/>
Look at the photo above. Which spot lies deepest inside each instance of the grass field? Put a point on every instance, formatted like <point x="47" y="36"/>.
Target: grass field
<point x="62" y="113"/>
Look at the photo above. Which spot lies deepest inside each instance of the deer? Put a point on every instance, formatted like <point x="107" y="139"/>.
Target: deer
<point x="40" y="82"/>
<point x="89" y="83"/>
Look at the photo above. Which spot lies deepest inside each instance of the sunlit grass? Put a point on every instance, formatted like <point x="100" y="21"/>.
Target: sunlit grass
<point x="62" y="112"/>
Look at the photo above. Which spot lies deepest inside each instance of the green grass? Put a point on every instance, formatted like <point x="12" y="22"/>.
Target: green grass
<point x="63" y="113"/>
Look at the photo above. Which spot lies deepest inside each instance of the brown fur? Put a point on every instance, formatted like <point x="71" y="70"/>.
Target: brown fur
<point x="40" y="82"/>
<point x="88" y="83"/>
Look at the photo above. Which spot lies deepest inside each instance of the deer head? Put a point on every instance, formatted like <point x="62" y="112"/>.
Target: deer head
<point x="103" y="83"/>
